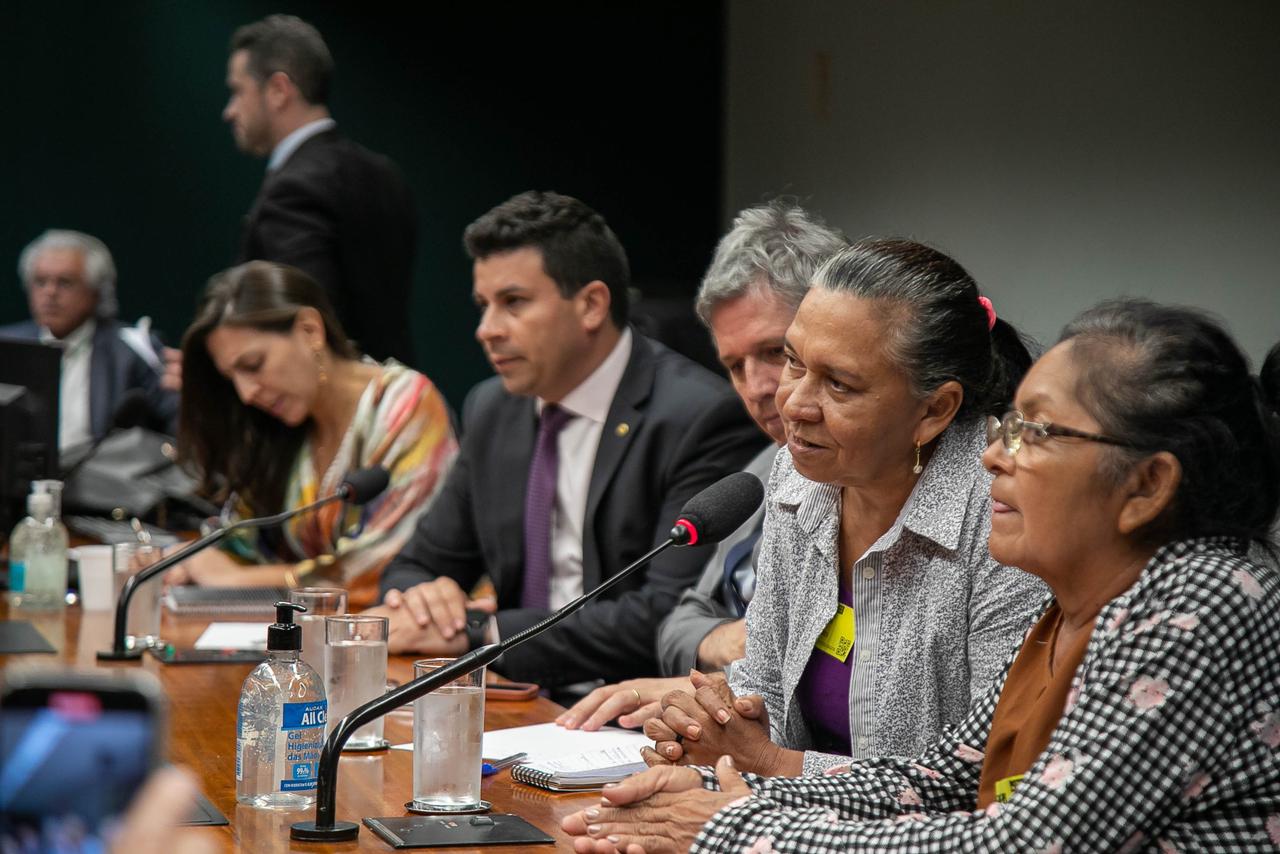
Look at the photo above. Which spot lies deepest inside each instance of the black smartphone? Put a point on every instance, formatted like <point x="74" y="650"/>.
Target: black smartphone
<point x="169" y="654"/>
<point x="510" y="690"/>
<point x="74" y="748"/>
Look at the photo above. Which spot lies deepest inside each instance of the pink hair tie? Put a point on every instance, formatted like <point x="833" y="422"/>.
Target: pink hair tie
<point x="991" y="312"/>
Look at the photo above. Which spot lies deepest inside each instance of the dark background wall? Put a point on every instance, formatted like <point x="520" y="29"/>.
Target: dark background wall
<point x="114" y="128"/>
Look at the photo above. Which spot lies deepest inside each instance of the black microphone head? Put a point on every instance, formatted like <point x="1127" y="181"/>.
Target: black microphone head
<point x="719" y="510"/>
<point x="364" y="485"/>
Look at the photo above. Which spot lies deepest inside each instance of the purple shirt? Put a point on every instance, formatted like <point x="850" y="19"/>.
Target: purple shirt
<point x="823" y="693"/>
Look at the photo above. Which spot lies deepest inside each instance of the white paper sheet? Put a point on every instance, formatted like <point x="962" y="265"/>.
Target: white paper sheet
<point x="550" y="742"/>
<point x="234" y="636"/>
<point x="612" y="757"/>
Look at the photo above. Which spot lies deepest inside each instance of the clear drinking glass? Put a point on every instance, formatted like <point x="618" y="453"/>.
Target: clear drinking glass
<point x="142" y="624"/>
<point x="448" y="727"/>
<point x="320" y="602"/>
<point x="356" y="672"/>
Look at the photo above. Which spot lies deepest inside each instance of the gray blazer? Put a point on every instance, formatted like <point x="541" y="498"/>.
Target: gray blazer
<point x="701" y="608"/>
<point x="935" y="616"/>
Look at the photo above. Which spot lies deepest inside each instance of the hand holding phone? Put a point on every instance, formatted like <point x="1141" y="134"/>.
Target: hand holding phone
<point x="151" y="826"/>
<point x="74" y="749"/>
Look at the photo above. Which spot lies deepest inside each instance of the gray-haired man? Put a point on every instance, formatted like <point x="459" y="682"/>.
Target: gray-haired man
<point x="70" y="282"/>
<point x="750" y="293"/>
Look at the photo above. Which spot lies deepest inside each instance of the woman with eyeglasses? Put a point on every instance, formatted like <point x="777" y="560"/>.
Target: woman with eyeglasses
<point x="878" y="614"/>
<point x="1137" y="475"/>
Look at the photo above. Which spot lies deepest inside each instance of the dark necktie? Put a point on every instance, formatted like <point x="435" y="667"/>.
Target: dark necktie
<point x="738" y="556"/>
<point x="539" y="507"/>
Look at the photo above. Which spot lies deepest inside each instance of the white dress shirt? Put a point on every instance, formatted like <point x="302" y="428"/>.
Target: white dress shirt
<point x="578" y="441"/>
<point x="74" y="426"/>
<point x="287" y="146"/>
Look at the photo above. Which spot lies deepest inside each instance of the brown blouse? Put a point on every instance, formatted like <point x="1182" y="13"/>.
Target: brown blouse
<point x="1032" y="702"/>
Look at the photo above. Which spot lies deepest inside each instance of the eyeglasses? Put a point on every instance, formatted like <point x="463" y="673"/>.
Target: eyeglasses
<point x="1013" y="429"/>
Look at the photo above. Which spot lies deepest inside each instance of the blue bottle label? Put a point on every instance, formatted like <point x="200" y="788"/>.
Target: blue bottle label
<point x="302" y="727"/>
<point x="17" y="576"/>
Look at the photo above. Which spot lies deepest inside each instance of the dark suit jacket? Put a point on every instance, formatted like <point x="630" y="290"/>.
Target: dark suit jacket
<point x="115" y="371"/>
<point x="343" y="215"/>
<point x="685" y="429"/>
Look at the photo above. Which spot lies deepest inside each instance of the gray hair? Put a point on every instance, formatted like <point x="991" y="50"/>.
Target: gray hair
<point x="935" y="328"/>
<point x="775" y="247"/>
<point x="99" y="269"/>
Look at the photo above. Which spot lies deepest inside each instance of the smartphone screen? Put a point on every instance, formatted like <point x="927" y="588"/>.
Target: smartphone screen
<point x="70" y="762"/>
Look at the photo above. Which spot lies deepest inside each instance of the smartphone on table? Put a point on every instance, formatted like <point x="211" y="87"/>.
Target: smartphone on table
<point x="74" y="749"/>
<point x="510" y="690"/>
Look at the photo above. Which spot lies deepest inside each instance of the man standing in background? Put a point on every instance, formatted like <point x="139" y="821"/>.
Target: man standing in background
<point x="327" y="206"/>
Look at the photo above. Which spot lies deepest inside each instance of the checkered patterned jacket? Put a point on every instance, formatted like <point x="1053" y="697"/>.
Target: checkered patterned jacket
<point x="1170" y="742"/>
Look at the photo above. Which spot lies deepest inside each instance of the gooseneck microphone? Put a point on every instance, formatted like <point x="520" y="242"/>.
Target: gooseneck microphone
<point x="708" y="517"/>
<point x="719" y="510"/>
<point x="358" y="487"/>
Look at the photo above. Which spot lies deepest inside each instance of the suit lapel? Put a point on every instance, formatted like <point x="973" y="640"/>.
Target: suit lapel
<point x="102" y="379"/>
<point x="512" y="455"/>
<point x="626" y="416"/>
<point x="248" y="251"/>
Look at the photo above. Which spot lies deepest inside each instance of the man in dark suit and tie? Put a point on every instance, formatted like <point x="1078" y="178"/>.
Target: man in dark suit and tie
<point x="575" y="459"/>
<point x="328" y="206"/>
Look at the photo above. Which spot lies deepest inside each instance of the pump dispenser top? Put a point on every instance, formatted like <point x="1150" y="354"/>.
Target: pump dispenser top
<point x="284" y="634"/>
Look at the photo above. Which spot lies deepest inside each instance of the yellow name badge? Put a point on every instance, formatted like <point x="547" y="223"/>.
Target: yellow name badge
<point x="836" y="639"/>
<point x="1005" y="787"/>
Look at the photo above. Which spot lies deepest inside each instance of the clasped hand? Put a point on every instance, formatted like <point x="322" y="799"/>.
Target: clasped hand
<point x="698" y="728"/>
<point x="632" y="702"/>
<point x="430" y="617"/>
<point x="661" y="810"/>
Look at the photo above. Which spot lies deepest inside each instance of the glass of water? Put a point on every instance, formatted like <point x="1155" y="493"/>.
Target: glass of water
<point x="142" y="624"/>
<point x="356" y="672"/>
<point x="448" y="727"/>
<point x="320" y="602"/>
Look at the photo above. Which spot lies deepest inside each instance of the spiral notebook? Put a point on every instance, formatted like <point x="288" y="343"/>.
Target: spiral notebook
<point x="246" y="603"/>
<point x="581" y="772"/>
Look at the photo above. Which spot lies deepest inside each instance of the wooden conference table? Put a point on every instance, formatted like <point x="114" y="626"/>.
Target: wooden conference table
<point x="202" y="732"/>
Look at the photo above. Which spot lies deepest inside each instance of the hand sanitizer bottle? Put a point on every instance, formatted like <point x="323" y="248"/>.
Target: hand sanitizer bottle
<point x="38" y="554"/>
<point x="280" y="724"/>
<point x="18" y="543"/>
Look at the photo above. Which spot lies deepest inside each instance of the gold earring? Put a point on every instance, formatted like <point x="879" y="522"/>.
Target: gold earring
<point x="324" y="375"/>
<point x="917" y="468"/>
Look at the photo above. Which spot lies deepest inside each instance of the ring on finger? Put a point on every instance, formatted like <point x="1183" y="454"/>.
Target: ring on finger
<point x="639" y="702"/>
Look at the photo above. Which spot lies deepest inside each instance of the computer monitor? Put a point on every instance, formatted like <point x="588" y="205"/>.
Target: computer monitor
<point x="29" y="381"/>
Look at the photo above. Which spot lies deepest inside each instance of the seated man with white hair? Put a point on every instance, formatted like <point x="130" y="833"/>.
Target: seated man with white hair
<point x="70" y="282"/>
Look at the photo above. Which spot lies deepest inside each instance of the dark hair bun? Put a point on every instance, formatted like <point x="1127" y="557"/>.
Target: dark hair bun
<point x="1171" y="378"/>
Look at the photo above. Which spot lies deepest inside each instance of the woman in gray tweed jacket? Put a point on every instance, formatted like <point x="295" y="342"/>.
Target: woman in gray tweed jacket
<point x="878" y="615"/>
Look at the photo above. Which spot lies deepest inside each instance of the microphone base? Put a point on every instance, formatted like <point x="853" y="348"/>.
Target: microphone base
<point x="121" y="655"/>
<point x="308" y="831"/>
